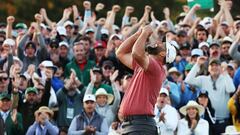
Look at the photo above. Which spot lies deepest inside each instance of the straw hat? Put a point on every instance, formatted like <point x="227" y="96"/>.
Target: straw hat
<point x="102" y="91"/>
<point x="46" y="110"/>
<point x="194" y="104"/>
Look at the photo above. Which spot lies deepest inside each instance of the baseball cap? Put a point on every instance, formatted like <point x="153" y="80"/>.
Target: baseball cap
<point x="63" y="43"/>
<point x="100" y="44"/>
<point x="68" y="23"/>
<point x="30" y="44"/>
<point x="61" y="30"/>
<point x="196" y="52"/>
<point x="9" y="42"/>
<point x="174" y="70"/>
<point x="104" y="31"/>
<point x="107" y="63"/>
<point x="227" y="39"/>
<point x="203" y="44"/>
<point x="181" y="33"/>
<point x="214" y="43"/>
<point x="185" y="46"/>
<point x="31" y="89"/>
<point x="188" y="67"/>
<point x="89" y="30"/>
<point x="49" y="64"/>
<point x="97" y="69"/>
<point x="164" y="91"/>
<point x="203" y="93"/>
<point x="214" y="61"/>
<point x="21" y="26"/>
<point x="170" y="52"/>
<point x="89" y="97"/>
<point x="115" y="36"/>
<point x="5" y="95"/>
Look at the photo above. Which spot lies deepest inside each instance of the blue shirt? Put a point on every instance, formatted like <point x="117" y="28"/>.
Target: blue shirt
<point x="236" y="78"/>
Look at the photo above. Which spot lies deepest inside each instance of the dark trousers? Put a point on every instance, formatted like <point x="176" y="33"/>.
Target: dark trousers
<point x="139" y="125"/>
<point x="219" y="128"/>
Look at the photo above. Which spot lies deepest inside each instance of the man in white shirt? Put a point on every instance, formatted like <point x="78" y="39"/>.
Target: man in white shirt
<point x="166" y="116"/>
<point x="219" y="86"/>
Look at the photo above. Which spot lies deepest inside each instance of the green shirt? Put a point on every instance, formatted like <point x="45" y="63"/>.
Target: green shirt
<point x="82" y="75"/>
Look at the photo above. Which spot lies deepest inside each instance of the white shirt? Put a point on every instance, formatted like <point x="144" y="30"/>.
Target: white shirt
<point x="202" y="127"/>
<point x="171" y="119"/>
<point x="4" y="115"/>
<point x="219" y="97"/>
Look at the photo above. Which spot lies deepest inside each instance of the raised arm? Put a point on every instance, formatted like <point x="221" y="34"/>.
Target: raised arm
<point x="233" y="50"/>
<point x="45" y="17"/>
<point x="189" y="17"/>
<point x="10" y="21"/>
<point x="111" y="18"/>
<point x="138" y="52"/>
<point x="124" y="52"/>
<point x="126" y="17"/>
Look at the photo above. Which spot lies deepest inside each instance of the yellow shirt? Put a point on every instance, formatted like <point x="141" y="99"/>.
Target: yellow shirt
<point x="233" y="110"/>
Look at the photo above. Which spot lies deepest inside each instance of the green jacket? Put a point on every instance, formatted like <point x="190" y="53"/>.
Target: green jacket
<point x="83" y="75"/>
<point x="14" y="129"/>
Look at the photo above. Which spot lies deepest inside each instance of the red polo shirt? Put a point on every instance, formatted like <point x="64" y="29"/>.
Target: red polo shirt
<point x="141" y="95"/>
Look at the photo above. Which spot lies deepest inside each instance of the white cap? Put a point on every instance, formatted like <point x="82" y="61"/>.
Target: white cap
<point x="49" y="64"/>
<point x="224" y="23"/>
<point x="89" y="30"/>
<point x="61" y="30"/>
<point x="15" y="58"/>
<point x="104" y="31"/>
<point x="206" y="22"/>
<point x="43" y="25"/>
<point x="63" y="43"/>
<point x="203" y="44"/>
<point x="227" y="39"/>
<point x="89" y="97"/>
<point x="164" y="91"/>
<point x="170" y="52"/>
<point x="174" y="70"/>
<point x="116" y="35"/>
<point x="9" y="42"/>
<point x="198" y="52"/>
<point x="67" y="23"/>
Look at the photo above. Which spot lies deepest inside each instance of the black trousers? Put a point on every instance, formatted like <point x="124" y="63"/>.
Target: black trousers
<point x="219" y="128"/>
<point x="139" y="125"/>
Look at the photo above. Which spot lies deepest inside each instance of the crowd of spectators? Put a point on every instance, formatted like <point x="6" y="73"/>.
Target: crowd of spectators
<point x="63" y="76"/>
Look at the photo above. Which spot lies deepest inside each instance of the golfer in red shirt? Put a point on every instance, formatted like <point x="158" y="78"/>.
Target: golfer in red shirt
<point x="140" y="97"/>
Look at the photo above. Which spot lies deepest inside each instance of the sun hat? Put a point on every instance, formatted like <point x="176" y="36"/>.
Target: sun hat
<point x="44" y="109"/>
<point x="194" y="104"/>
<point x="102" y="91"/>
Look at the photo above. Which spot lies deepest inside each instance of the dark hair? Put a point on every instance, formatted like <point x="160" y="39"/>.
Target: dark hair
<point x="85" y="38"/>
<point x="202" y="29"/>
<point x="189" y="120"/>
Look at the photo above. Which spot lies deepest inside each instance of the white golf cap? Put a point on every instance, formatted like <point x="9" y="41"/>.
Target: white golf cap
<point x="227" y="39"/>
<point x="203" y="44"/>
<point x="63" y="43"/>
<point x="9" y="42"/>
<point x="89" y="97"/>
<point x="170" y="52"/>
<point x="104" y="31"/>
<point x="197" y="52"/>
<point x="164" y="91"/>
<point x="61" y="30"/>
<point x="68" y="23"/>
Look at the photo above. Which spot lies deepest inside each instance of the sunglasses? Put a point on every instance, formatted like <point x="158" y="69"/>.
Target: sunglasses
<point x="3" y="79"/>
<point x="89" y="102"/>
